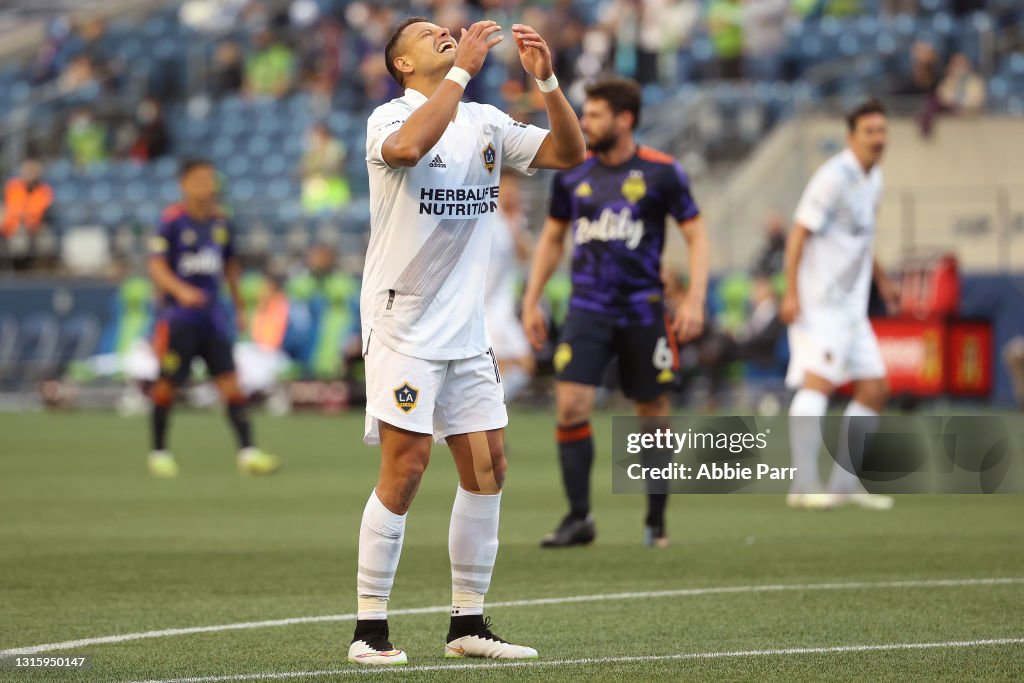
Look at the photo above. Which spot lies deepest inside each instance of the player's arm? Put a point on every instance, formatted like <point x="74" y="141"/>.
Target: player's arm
<point x="789" y="310"/>
<point x="233" y="278"/>
<point x="816" y="205"/>
<point x="688" y="322"/>
<point x="165" y="280"/>
<point x="546" y="257"/>
<point x="425" y="126"/>
<point x="564" y="146"/>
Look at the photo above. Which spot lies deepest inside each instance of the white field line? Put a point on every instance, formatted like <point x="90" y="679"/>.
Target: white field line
<point x="588" y="661"/>
<point x="534" y="602"/>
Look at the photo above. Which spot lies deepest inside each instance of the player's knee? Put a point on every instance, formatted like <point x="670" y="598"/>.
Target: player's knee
<point x="411" y="464"/>
<point x="572" y="410"/>
<point x="873" y="394"/>
<point x="499" y="466"/>
<point x="163" y="393"/>
<point x="657" y="408"/>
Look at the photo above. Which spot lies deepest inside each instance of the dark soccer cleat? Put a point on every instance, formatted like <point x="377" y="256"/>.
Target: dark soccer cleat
<point x="572" y="531"/>
<point x="371" y="646"/>
<point x="471" y="636"/>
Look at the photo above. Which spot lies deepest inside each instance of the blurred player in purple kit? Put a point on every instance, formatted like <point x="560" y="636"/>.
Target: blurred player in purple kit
<point x="190" y="256"/>
<point x="617" y="202"/>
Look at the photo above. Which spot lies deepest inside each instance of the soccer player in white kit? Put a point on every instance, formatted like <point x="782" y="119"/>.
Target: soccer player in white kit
<point x="434" y="165"/>
<point x="829" y="266"/>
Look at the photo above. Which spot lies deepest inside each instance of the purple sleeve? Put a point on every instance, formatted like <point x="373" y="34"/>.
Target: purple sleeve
<point x="229" y="246"/>
<point x="561" y="202"/>
<point x="162" y="243"/>
<point x="681" y="204"/>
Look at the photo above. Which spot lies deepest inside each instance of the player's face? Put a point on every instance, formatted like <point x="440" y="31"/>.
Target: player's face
<point x="427" y="47"/>
<point x="869" y="137"/>
<point x="600" y="125"/>
<point x="200" y="187"/>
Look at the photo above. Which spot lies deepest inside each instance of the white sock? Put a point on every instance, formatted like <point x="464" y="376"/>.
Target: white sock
<point x="472" y="548"/>
<point x="380" y="545"/>
<point x="805" y="438"/>
<point x="853" y="435"/>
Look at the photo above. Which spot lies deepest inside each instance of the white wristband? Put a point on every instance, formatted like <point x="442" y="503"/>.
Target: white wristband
<point x="460" y="76"/>
<point x="550" y="84"/>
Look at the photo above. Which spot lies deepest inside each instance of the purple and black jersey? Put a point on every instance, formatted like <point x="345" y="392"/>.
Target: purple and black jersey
<point x="196" y="251"/>
<point x="618" y="222"/>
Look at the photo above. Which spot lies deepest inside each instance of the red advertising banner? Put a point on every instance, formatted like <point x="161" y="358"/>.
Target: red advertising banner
<point x="969" y="360"/>
<point x="932" y="357"/>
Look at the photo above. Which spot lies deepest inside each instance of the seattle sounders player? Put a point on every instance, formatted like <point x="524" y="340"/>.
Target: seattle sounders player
<point x="190" y="256"/>
<point x="618" y="203"/>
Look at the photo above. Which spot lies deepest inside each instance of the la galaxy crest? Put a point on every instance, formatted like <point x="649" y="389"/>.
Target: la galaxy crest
<point x="633" y="187"/>
<point x="406" y="397"/>
<point x="489" y="156"/>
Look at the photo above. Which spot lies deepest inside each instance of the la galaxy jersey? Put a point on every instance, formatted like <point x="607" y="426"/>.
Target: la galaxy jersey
<point x="431" y="226"/>
<point x="618" y="221"/>
<point x="839" y="207"/>
<point x="196" y="251"/>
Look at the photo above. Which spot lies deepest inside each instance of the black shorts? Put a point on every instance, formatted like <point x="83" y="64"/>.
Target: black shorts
<point x="176" y="343"/>
<point x="647" y="354"/>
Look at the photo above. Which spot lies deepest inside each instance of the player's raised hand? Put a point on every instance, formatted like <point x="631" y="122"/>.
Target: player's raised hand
<point x="190" y="297"/>
<point x="789" y="309"/>
<point x="688" y="322"/>
<point x="474" y="44"/>
<point x="533" y="52"/>
<point x="535" y="326"/>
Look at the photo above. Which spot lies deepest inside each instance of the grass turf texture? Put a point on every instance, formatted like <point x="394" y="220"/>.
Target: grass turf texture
<point x="91" y="546"/>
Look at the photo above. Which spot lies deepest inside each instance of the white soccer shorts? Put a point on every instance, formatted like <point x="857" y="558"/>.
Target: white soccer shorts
<point x="439" y="397"/>
<point x="834" y="345"/>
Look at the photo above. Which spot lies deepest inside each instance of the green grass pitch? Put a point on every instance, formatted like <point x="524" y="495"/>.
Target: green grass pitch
<point x="90" y="546"/>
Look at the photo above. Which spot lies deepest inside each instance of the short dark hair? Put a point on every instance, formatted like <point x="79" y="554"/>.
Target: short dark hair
<point x="865" y="108"/>
<point x="389" y="49"/>
<point x="621" y="94"/>
<point x="188" y="165"/>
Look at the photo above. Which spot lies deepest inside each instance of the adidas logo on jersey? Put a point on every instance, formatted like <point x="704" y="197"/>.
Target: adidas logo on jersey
<point x="436" y="162"/>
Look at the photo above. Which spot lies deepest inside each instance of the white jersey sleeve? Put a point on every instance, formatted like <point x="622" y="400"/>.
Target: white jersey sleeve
<point x="384" y="121"/>
<point x="819" y="198"/>
<point x="520" y="141"/>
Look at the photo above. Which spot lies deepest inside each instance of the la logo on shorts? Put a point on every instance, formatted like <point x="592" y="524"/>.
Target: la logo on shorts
<point x="405" y="397"/>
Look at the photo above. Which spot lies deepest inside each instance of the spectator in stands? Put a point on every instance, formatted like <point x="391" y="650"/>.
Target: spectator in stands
<point x="270" y="68"/>
<point x="92" y="33"/>
<point x="151" y="140"/>
<point x="1013" y="357"/>
<point x="763" y="38"/>
<point x="27" y="201"/>
<point x="962" y="90"/>
<point x="226" y="73"/>
<point x="86" y="138"/>
<point x="922" y="82"/>
<point x="754" y="342"/>
<point x="768" y="262"/>
<point x="324" y="186"/>
<point x="80" y="79"/>
<point x="725" y="27"/>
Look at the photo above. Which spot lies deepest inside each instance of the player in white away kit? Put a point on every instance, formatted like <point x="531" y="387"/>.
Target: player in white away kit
<point x="829" y="267"/>
<point x="434" y="166"/>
